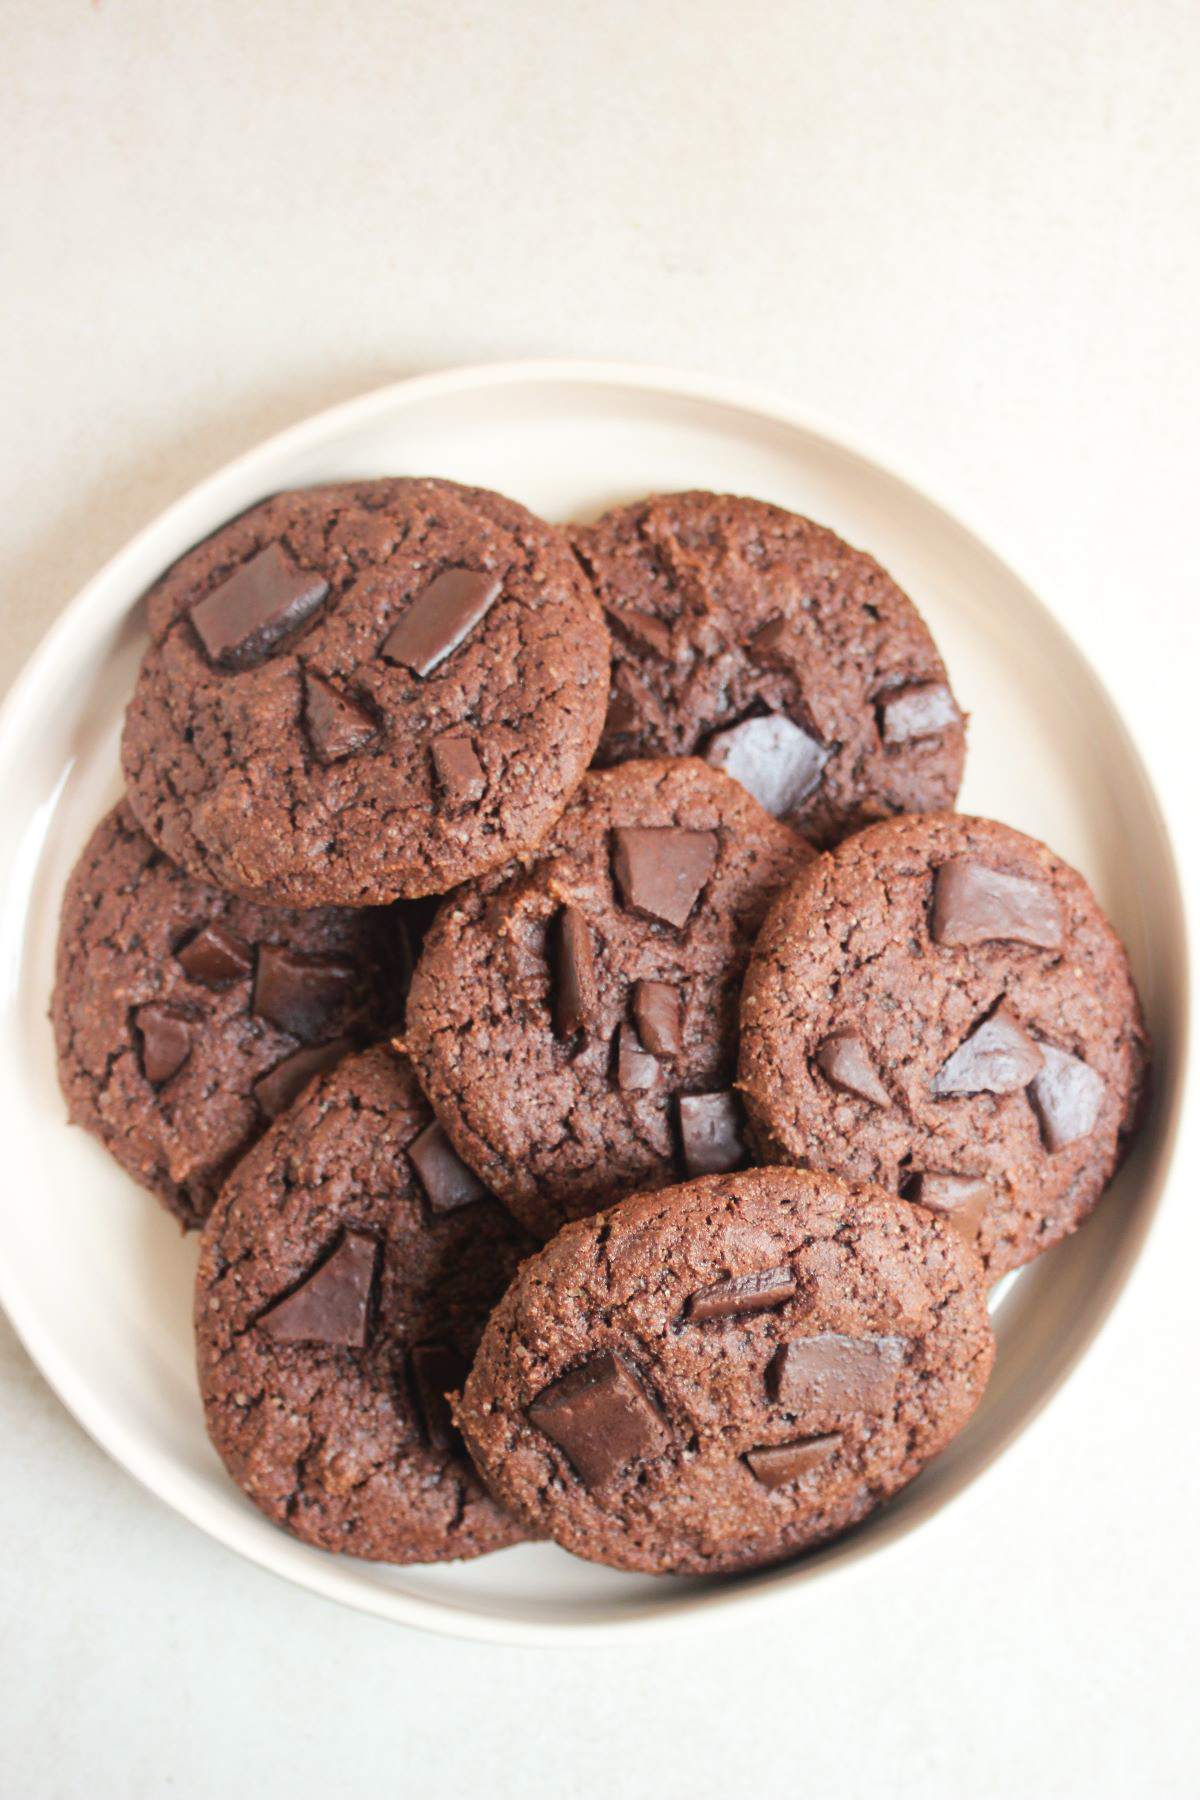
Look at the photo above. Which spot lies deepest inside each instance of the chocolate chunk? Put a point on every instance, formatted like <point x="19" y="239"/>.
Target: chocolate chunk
<point x="436" y="1370"/>
<point x="264" y="601"/>
<point x="742" y="1293"/>
<point x="642" y="630"/>
<point x="962" y="1198"/>
<point x="303" y="995"/>
<point x="336" y="727"/>
<point x="997" y="1057"/>
<point x="832" y="1373"/>
<point x="772" y="758"/>
<point x="280" y="1086"/>
<point x="447" y="1181"/>
<point x="215" y="957"/>
<point x="636" y="1068"/>
<point x="332" y="1304"/>
<point x="657" y="1013"/>
<point x="768" y="643"/>
<point x="777" y="1465"/>
<point x="623" y="713"/>
<point x="973" y="904"/>
<point x="166" y="1042"/>
<point x="600" y="1417"/>
<point x="661" y="869"/>
<point x="574" y="966"/>
<point x="845" y="1062"/>
<point x="1066" y="1094"/>
<point x="916" y="712"/>
<point x="710" y="1131"/>
<point x="459" y="771"/>
<point x="440" y="617"/>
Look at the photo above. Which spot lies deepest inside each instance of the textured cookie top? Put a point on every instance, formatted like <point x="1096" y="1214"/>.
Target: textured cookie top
<point x="749" y="635"/>
<point x="940" y="1006"/>
<point x="362" y="691"/>
<point x="344" y="1278"/>
<point x="574" y="1025"/>
<point x="715" y="1376"/>
<point x="185" y="1020"/>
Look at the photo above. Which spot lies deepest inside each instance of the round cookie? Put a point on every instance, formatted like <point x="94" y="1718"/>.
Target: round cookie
<point x="344" y="1278"/>
<point x="714" y="1377"/>
<point x="356" y="692"/>
<point x="940" y="1006"/>
<point x="185" y="1020"/>
<point x="754" y="638"/>
<point x="574" y="1024"/>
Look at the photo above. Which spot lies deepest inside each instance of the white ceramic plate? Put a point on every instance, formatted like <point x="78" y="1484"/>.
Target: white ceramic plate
<point x="97" y="1279"/>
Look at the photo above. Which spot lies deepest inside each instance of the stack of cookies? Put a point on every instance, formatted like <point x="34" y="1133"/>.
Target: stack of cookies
<point x="604" y="1071"/>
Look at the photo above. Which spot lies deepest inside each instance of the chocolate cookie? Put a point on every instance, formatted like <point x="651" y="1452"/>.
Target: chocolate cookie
<point x="574" y="1025"/>
<point x="357" y="692"/>
<point x="344" y="1278"/>
<point x="185" y="1020"/>
<point x="754" y="638"/>
<point x="940" y="1006"/>
<point x="717" y="1376"/>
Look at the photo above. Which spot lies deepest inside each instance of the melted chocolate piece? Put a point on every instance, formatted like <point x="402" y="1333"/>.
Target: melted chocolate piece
<point x="742" y="1294"/>
<point x="710" y="1132"/>
<point x="166" y="1042"/>
<point x="303" y="995"/>
<point x="973" y="904"/>
<point x="963" y="1199"/>
<point x="642" y="630"/>
<point x="440" y="618"/>
<point x="248" y="616"/>
<point x="997" y="1057"/>
<point x="332" y="1305"/>
<point x="1066" y="1094"/>
<point x="601" y="1418"/>
<point x="846" y="1064"/>
<point x="281" y="1085"/>
<point x="335" y="726"/>
<point x="661" y="869"/>
<point x="574" y="967"/>
<point x="458" y="770"/>
<point x="775" y="761"/>
<point x="657" y="1013"/>
<point x="436" y="1371"/>
<point x="778" y="1465"/>
<point x="447" y="1181"/>
<point x="216" y="958"/>
<point x="915" y="712"/>
<point x="832" y="1373"/>
<point x="636" y="1068"/>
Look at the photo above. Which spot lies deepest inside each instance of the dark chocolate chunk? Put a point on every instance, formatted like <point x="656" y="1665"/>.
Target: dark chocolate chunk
<point x="661" y="869"/>
<point x="642" y="630"/>
<point x="973" y="904"/>
<point x="447" y="1181"/>
<point x="215" y="957"/>
<point x="1066" y="1094"/>
<point x="657" y="1013"/>
<point x="280" y="1086"/>
<point x="264" y="601"/>
<point x="332" y="1305"/>
<point x="916" y="712"/>
<point x="440" y="618"/>
<point x="845" y="1062"/>
<point x="601" y="1418"/>
<point x="743" y="1293"/>
<point x="997" y="1057"/>
<point x="770" y="640"/>
<point x="773" y="759"/>
<point x="574" y="966"/>
<point x="459" y="771"/>
<point x="437" y="1370"/>
<point x="301" y="994"/>
<point x="628" y="702"/>
<point x="962" y="1198"/>
<point x="636" y="1068"/>
<point x="710" y="1132"/>
<point x="166" y="1042"/>
<point x="777" y="1465"/>
<point x="336" y="727"/>
<point x="832" y="1373"/>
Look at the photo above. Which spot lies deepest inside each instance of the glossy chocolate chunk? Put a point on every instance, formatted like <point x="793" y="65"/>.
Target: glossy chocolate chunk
<point x="973" y="904"/>
<point x="437" y="1370"/>
<point x="447" y="1181"/>
<point x="658" y="1015"/>
<point x="636" y="1068"/>
<point x="641" y="629"/>
<point x="832" y="1373"/>
<point x="166" y="1042"/>
<point x="332" y="1305"/>
<point x="574" y="968"/>
<point x="756" y="1292"/>
<point x="771" y="641"/>
<point x="215" y="957"/>
<point x="845" y="1062"/>
<point x="628" y="702"/>
<point x="773" y="759"/>
<point x="1067" y="1094"/>
<point x="710" y="1133"/>
<point x="997" y="1057"/>
<point x="440" y="618"/>
<point x="778" y="1465"/>
<point x="601" y="1418"/>
<point x="276" y="1090"/>
<point x="916" y="712"/>
<point x="303" y="995"/>
<point x="962" y="1198"/>
<point x="458" y="770"/>
<point x="335" y="726"/>
<point x="264" y="601"/>
<point x="660" y="870"/>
